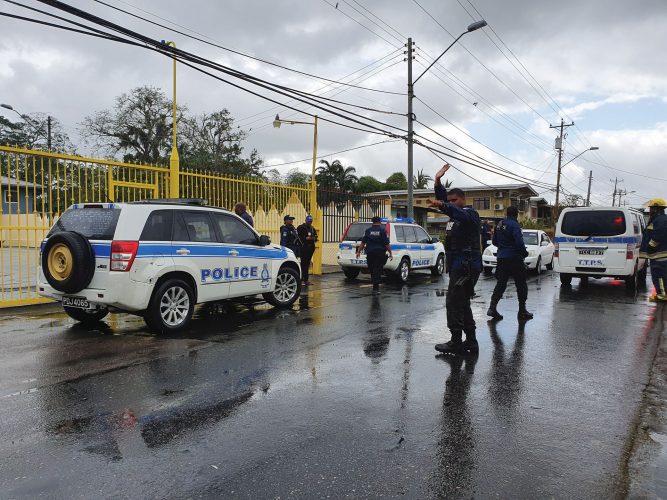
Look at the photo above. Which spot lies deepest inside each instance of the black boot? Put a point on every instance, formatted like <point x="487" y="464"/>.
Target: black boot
<point x="493" y="312"/>
<point x="523" y="313"/>
<point x="470" y="345"/>
<point x="454" y="346"/>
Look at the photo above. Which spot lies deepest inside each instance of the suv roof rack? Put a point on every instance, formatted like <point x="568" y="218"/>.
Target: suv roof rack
<point x="172" y="201"/>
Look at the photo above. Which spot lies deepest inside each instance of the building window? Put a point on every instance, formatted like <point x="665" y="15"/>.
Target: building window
<point x="481" y="203"/>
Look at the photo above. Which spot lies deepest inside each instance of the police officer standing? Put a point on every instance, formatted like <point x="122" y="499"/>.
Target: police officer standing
<point x="654" y="247"/>
<point x="508" y="237"/>
<point x="308" y="237"/>
<point x="464" y="264"/>
<point x="288" y="235"/>
<point x="376" y="243"/>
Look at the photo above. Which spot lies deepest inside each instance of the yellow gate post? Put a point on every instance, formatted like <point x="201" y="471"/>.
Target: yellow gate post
<point x="314" y="211"/>
<point x="174" y="160"/>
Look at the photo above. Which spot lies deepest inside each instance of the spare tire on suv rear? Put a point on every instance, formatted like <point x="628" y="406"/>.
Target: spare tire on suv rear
<point x="68" y="262"/>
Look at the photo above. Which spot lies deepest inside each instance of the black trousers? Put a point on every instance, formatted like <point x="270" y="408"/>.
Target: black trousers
<point x="307" y="252"/>
<point x="511" y="268"/>
<point x="376" y="262"/>
<point x="459" y="312"/>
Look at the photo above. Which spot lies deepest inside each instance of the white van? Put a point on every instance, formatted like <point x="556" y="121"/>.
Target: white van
<point x="600" y="242"/>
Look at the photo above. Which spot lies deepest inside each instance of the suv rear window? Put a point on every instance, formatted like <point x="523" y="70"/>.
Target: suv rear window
<point x="356" y="231"/>
<point x="594" y="223"/>
<point x="94" y="223"/>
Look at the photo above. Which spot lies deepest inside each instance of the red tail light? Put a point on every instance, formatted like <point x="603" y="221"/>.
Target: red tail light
<point x="630" y="252"/>
<point x="123" y="254"/>
<point x="556" y="250"/>
<point x="387" y="229"/>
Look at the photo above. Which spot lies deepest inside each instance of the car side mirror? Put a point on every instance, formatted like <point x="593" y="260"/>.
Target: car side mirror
<point x="489" y="242"/>
<point x="544" y="243"/>
<point x="434" y="240"/>
<point x="264" y="240"/>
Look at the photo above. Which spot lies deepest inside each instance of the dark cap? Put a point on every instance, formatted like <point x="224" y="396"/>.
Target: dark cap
<point x="287" y="217"/>
<point x="376" y="219"/>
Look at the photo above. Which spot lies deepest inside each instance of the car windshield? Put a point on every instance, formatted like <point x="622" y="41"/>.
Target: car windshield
<point x="593" y="223"/>
<point x="530" y="238"/>
<point x="356" y="231"/>
<point x="94" y="223"/>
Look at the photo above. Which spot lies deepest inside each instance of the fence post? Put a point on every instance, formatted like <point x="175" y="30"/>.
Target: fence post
<point x="319" y="227"/>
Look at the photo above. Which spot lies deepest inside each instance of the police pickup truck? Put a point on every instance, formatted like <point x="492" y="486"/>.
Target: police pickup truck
<point x="411" y="245"/>
<point x="157" y="259"/>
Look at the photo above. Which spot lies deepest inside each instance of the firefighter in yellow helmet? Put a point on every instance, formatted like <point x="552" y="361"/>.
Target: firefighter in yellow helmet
<point x="654" y="246"/>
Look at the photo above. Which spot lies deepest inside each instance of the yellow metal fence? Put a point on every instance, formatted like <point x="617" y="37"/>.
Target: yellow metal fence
<point x="37" y="186"/>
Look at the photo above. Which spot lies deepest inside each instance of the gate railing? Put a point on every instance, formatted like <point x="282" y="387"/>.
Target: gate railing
<point x="36" y="187"/>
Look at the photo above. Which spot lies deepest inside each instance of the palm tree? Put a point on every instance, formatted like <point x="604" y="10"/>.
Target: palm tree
<point x="421" y="180"/>
<point x="335" y="175"/>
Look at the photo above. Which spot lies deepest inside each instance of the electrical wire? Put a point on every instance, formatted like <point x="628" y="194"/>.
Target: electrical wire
<point x="331" y="154"/>
<point x="237" y="52"/>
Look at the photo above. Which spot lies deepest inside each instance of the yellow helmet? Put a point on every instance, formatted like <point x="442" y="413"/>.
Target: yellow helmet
<point x="656" y="202"/>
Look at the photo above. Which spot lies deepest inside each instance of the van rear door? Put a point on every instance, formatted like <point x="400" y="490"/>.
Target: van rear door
<point x="594" y="240"/>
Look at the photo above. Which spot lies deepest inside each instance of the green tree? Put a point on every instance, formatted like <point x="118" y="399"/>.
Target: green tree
<point x="139" y="127"/>
<point x="368" y="184"/>
<point x="336" y="176"/>
<point x="211" y="141"/>
<point x="396" y="181"/>
<point x="421" y="180"/>
<point x="32" y="133"/>
<point x="296" y="176"/>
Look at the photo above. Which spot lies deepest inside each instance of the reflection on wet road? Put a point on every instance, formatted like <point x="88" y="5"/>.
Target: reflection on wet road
<point x="342" y="396"/>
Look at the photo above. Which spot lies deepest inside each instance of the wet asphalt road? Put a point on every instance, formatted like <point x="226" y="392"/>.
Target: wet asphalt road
<point x="341" y="397"/>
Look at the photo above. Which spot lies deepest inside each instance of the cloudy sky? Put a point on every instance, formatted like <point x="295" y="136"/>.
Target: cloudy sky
<point x="600" y="63"/>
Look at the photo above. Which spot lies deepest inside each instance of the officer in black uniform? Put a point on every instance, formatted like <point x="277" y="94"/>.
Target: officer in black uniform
<point x="308" y="236"/>
<point x="464" y="264"/>
<point x="376" y="243"/>
<point x="288" y="235"/>
<point x="508" y="237"/>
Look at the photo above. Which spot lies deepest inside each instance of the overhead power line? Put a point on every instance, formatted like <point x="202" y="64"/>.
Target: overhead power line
<point x="331" y="154"/>
<point x="237" y="52"/>
<point x="194" y="61"/>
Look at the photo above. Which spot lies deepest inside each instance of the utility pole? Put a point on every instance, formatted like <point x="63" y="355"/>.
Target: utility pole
<point x="559" y="147"/>
<point x="411" y="117"/>
<point x="48" y="133"/>
<point x="588" y="195"/>
<point x="613" y="198"/>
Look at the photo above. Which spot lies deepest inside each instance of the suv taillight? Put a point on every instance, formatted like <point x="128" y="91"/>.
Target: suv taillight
<point x="630" y="252"/>
<point x="123" y="254"/>
<point x="556" y="250"/>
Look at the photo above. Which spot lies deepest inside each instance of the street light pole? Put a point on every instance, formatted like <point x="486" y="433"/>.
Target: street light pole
<point x="411" y="117"/>
<point x="317" y="256"/>
<point x="174" y="160"/>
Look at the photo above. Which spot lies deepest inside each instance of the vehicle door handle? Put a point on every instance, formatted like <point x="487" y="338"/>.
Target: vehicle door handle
<point x="183" y="251"/>
<point x="233" y="253"/>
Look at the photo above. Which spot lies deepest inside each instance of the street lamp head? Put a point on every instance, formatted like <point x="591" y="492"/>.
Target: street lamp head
<point x="593" y="148"/>
<point x="7" y="106"/>
<point x="476" y="25"/>
<point x="277" y="122"/>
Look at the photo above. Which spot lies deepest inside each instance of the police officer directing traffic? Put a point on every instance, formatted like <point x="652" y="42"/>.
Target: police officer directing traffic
<point x="288" y="235"/>
<point x="464" y="264"/>
<point x="376" y="243"/>
<point x="654" y="247"/>
<point x="508" y="237"/>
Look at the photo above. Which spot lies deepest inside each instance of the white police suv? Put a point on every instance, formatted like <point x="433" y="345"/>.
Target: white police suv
<point x="411" y="245"/>
<point x="158" y="258"/>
